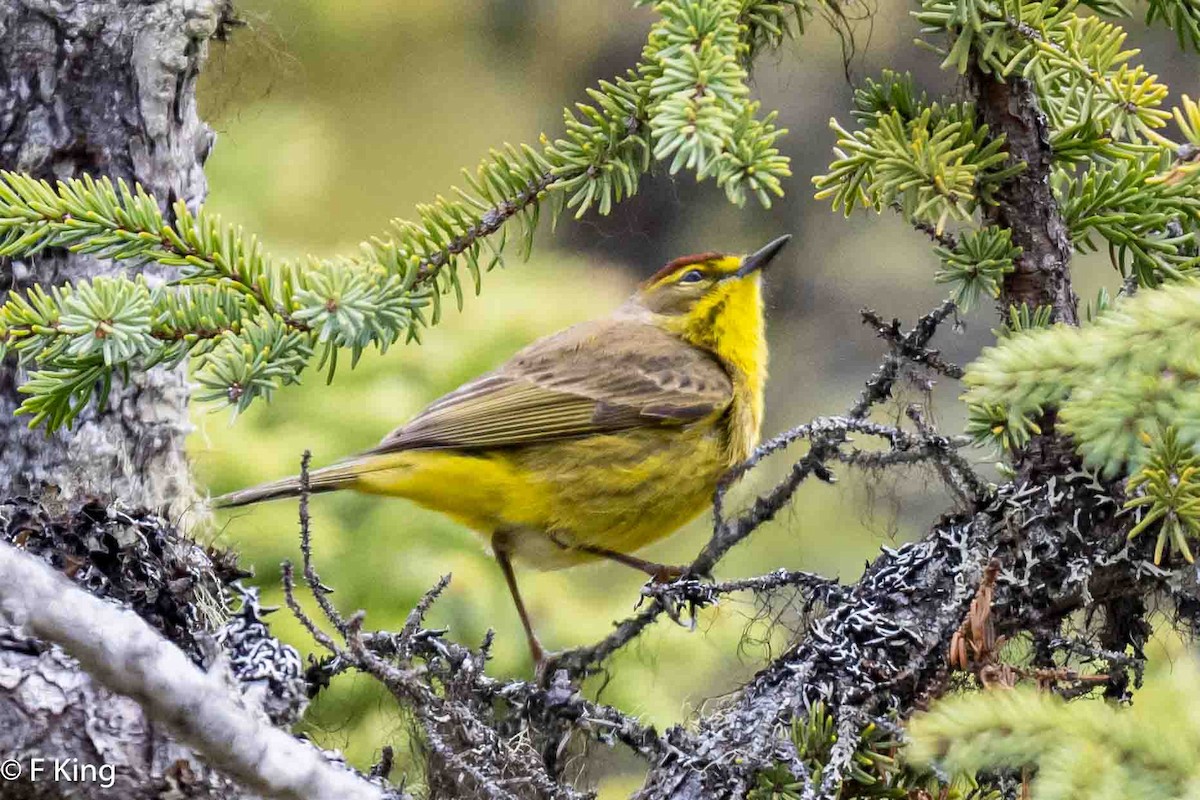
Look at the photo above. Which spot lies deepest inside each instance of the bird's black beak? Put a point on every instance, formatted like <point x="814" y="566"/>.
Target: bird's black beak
<point x="757" y="260"/>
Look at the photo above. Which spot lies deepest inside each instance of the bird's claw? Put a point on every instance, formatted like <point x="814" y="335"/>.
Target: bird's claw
<point x="546" y="666"/>
<point x="668" y="573"/>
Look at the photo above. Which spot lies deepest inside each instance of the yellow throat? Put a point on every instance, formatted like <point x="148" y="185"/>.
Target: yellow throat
<point x="727" y="320"/>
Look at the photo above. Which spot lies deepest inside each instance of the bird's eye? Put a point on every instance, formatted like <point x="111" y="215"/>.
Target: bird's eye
<point x="692" y="276"/>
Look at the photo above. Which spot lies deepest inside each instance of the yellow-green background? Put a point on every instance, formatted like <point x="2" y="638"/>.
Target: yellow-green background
<point x="336" y="115"/>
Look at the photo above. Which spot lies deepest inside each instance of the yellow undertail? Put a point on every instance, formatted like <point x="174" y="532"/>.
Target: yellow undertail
<point x="618" y="492"/>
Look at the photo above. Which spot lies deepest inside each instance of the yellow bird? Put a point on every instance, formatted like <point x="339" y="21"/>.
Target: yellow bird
<point x="592" y="442"/>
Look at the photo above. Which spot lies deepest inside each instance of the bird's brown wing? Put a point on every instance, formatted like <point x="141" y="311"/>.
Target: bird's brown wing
<point x="598" y="377"/>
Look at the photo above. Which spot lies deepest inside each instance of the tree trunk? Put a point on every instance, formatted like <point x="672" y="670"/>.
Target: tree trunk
<point x="107" y="88"/>
<point x="104" y="87"/>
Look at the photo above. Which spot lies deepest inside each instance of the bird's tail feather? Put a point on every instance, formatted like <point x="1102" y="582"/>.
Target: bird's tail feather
<point x="328" y="479"/>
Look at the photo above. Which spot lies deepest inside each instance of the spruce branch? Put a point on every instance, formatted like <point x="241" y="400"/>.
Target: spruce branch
<point x="1138" y="199"/>
<point x="1167" y="486"/>
<point x="875" y="769"/>
<point x="935" y="166"/>
<point x="976" y="265"/>
<point x="1025" y="203"/>
<point x="1004" y="429"/>
<point x="696" y="70"/>
<point x="1145" y="210"/>
<point x="1130" y="373"/>
<point x="1080" y="750"/>
<point x="768" y="23"/>
<point x="944" y="238"/>
<point x="1097" y="102"/>
<point x="1181" y="16"/>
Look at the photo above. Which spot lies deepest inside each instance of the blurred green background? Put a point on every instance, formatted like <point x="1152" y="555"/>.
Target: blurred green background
<point x="336" y="115"/>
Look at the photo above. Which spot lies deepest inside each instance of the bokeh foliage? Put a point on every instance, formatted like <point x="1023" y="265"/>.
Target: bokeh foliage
<point x="1079" y="750"/>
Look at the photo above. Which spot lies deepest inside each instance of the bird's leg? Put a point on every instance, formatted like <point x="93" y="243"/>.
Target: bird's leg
<point x="659" y="573"/>
<point x="499" y="547"/>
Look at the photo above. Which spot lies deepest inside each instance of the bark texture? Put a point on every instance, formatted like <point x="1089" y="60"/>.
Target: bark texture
<point x="52" y="709"/>
<point x="1025" y="204"/>
<point x="55" y="711"/>
<point x="200" y="707"/>
<point x="105" y="87"/>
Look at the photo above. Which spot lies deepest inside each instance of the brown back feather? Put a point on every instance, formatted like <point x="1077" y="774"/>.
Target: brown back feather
<point x="594" y="378"/>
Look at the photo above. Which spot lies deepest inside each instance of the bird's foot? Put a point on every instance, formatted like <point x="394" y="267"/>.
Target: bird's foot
<point x="545" y="667"/>
<point x="666" y="573"/>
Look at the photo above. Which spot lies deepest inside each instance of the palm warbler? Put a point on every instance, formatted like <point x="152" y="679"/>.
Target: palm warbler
<point x="595" y="441"/>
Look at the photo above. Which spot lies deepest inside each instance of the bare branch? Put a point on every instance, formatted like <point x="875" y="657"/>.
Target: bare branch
<point x="455" y="702"/>
<point x="954" y="469"/>
<point x="131" y="658"/>
<point x="318" y="589"/>
<point x="946" y="240"/>
<point x="700" y="594"/>
<point x="881" y="647"/>
<point x="910" y="346"/>
<point x="289" y="595"/>
<point x="583" y="660"/>
<point x="826" y="436"/>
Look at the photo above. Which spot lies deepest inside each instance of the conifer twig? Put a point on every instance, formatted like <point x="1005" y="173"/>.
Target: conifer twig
<point x="945" y="239"/>
<point x="910" y="346"/>
<point x="490" y="222"/>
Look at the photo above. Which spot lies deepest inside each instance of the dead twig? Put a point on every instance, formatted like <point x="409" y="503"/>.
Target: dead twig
<point x="826" y="437"/>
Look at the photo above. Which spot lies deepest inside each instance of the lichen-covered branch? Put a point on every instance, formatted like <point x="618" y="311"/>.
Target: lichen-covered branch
<point x="468" y="719"/>
<point x="881" y="649"/>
